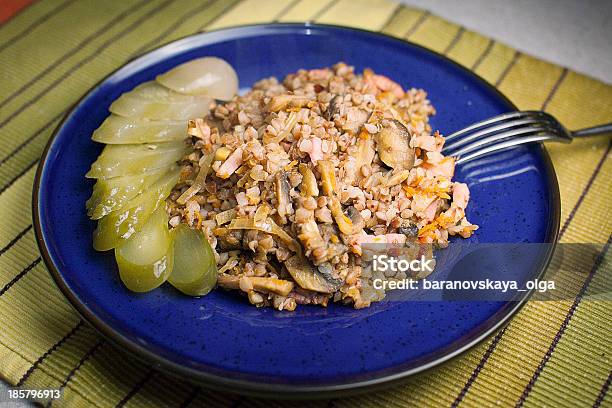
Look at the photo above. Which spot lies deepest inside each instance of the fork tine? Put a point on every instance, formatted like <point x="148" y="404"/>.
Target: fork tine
<point x="503" y="145"/>
<point x="493" y="120"/>
<point x="489" y="130"/>
<point x="484" y="142"/>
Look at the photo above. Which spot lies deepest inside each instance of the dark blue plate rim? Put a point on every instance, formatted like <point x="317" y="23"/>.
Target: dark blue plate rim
<point x="286" y="390"/>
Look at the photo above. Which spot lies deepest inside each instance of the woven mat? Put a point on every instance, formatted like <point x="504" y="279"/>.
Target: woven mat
<point x="552" y="353"/>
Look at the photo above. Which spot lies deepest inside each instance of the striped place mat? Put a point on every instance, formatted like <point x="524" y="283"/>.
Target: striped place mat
<point x="552" y="353"/>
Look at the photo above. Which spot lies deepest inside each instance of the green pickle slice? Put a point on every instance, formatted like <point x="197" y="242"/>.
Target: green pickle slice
<point x="195" y="268"/>
<point x="126" y="160"/>
<point x="153" y="101"/>
<point x="145" y="260"/>
<point x="119" y="130"/>
<point x="112" y="194"/>
<point x="118" y="226"/>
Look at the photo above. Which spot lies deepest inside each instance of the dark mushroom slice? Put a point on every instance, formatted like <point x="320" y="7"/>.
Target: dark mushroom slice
<point x="411" y="230"/>
<point x="282" y="188"/>
<point x="348" y="225"/>
<point x="334" y="107"/>
<point x="308" y="277"/>
<point x="310" y="237"/>
<point x="393" y="146"/>
<point x="228" y="239"/>
<point x="356" y="219"/>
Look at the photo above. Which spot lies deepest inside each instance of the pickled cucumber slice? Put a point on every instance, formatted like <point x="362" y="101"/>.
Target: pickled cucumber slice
<point x="202" y="76"/>
<point x="118" y="226"/>
<point x="145" y="260"/>
<point x="125" y="160"/>
<point x="153" y="101"/>
<point x="195" y="268"/>
<point x="112" y="194"/>
<point x="119" y="130"/>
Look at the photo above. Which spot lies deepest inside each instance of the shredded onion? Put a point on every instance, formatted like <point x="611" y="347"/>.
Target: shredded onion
<point x="225" y="216"/>
<point x="233" y="261"/>
<point x="267" y="226"/>
<point x="291" y="122"/>
<point x="198" y="183"/>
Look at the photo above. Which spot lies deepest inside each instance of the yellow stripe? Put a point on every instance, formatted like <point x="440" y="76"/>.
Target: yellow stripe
<point x="55" y="101"/>
<point x="155" y="393"/>
<point x="365" y="14"/>
<point x="17" y="258"/>
<point x="26" y="156"/>
<point x="49" y="44"/>
<point x="18" y="27"/>
<point x="434" y="33"/>
<point x="304" y="10"/>
<point x="494" y="64"/>
<point x="267" y="403"/>
<point x="12" y="208"/>
<point x="26" y="316"/>
<point x="106" y="363"/>
<point x="469" y="48"/>
<point x="250" y="12"/>
<point x="579" y="102"/>
<point x="197" y="20"/>
<point x="13" y="363"/>
<point x="529" y="82"/>
<point x="402" y="20"/>
<point x="54" y="369"/>
<point x="578" y="358"/>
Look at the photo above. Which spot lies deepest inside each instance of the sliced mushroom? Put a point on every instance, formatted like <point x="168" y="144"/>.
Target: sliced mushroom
<point x="311" y="278"/>
<point x="282" y="187"/>
<point x="345" y="224"/>
<point x="309" y="182"/>
<point x="281" y="102"/>
<point x="228" y="239"/>
<point x="334" y="107"/>
<point x="262" y="284"/>
<point x="309" y="236"/>
<point x="271" y="285"/>
<point x="328" y="177"/>
<point x="365" y="151"/>
<point x="356" y="219"/>
<point x="393" y="146"/>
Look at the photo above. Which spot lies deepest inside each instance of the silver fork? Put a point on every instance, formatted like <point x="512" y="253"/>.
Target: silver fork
<point x="512" y="129"/>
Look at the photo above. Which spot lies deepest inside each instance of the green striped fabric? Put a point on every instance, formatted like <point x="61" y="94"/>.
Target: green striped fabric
<point x="551" y="354"/>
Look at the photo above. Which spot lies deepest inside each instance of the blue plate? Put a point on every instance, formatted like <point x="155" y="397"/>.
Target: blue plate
<point x="223" y="341"/>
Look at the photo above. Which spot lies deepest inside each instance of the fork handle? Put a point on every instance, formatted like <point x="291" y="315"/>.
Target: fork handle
<point x="593" y="131"/>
